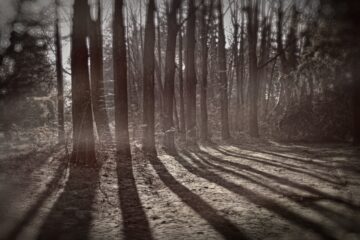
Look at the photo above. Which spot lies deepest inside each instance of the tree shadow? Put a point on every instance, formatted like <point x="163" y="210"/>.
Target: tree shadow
<point x="278" y="179"/>
<point x="343" y="219"/>
<point x="202" y="171"/>
<point x="276" y="164"/>
<point x="135" y="223"/>
<point x="52" y="186"/>
<point x="222" y="225"/>
<point x="71" y="215"/>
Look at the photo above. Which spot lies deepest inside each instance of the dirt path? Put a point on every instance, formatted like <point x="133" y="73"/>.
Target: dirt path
<point x="270" y="191"/>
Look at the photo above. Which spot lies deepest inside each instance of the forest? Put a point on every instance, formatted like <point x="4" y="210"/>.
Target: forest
<point x="180" y="119"/>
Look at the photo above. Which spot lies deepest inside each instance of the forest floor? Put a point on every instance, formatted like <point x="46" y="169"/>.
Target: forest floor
<point x="220" y="191"/>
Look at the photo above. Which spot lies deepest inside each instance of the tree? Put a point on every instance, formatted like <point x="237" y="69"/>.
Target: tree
<point x="347" y="39"/>
<point x="120" y="81"/>
<point x="83" y="133"/>
<point x="240" y="74"/>
<point x="206" y="15"/>
<point x="252" y="27"/>
<point x="169" y="87"/>
<point x="59" y="77"/>
<point x="224" y="99"/>
<point x="190" y="76"/>
<point x="97" y="78"/>
<point x="148" y="82"/>
<point x="181" y="80"/>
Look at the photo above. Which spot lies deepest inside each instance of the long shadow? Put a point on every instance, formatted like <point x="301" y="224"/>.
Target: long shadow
<point x="222" y="225"/>
<point x="71" y="215"/>
<point x="280" y="165"/>
<point x="297" y="159"/>
<point x="342" y="220"/>
<point x="255" y="198"/>
<point x="135" y="223"/>
<point x="291" y="166"/>
<point x="281" y="180"/>
<point x="52" y="186"/>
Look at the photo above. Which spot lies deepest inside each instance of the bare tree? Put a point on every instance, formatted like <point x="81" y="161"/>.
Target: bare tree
<point x="59" y="77"/>
<point x="83" y="133"/>
<point x="120" y="81"/>
<point x="181" y="79"/>
<point x="252" y="29"/>
<point x="148" y="81"/>
<point x="224" y="99"/>
<point x="206" y="17"/>
<point x="169" y="87"/>
<point x="190" y="74"/>
<point x="97" y="78"/>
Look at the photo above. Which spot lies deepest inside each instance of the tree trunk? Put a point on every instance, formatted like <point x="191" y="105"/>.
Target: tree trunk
<point x="181" y="84"/>
<point x="225" y="133"/>
<point x="120" y="81"/>
<point x="60" y="79"/>
<point x="83" y="133"/>
<point x="240" y="71"/>
<point x="253" y="71"/>
<point x="97" y="79"/>
<point x="204" y="135"/>
<point x="190" y="84"/>
<point x="148" y="81"/>
<point x="169" y="87"/>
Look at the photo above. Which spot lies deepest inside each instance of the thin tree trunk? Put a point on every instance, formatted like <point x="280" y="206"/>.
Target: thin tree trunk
<point x="253" y="71"/>
<point x="169" y="87"/>
<point x="240" y="78"/>
<point x="225" y="132"/>
<point x="83" y="133"/>
<point x="190" y="84"/>
<point x="181" y="82"/>
<point x="97" y="79"/>
<point x="148" y="81"/>
<point x="60" y="79"/>
<point x="204" y="135"/>
<point x="120" y="81"/>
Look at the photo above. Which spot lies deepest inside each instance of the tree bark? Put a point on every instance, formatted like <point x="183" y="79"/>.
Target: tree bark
<point x="169" y="87"/>
<point x="60" y="78"/>
<point x="253" y="86"/>
<point x="240" y="71"/>
<point x="120" y="81"/>
<point x="181" y="84"/>
<point x="225" y="132"/>
<point x="190" y="84"/>
<point x="204" y="134"/>
<point x="97" y="79"/>
<point x="83" y="133"/>
<point x="148" y="81"/>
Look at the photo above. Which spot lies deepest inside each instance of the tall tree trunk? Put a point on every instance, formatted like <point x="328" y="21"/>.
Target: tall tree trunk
<point x="253" y="86"/>
<point x="83" y="133"/>
<point x="204" y="135"/>
<point x="158" y="70"/>
<point x="181" y="84"/>
<point x="148" y="81"/>
<point x="240" y="71"/>
<point x="225" y="133"/>
<point x="169" y="87"/>
<point x="190" y="84"/>
<point x="97" y="78"/>
<point x="120" y="81"/>
<point x="60" y="78"/>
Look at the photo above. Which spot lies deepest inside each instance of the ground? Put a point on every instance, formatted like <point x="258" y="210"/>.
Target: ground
<point x="259" y="191"/>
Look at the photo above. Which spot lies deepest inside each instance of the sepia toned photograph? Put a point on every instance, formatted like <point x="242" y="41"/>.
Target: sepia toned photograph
<point x="179" y="119"/>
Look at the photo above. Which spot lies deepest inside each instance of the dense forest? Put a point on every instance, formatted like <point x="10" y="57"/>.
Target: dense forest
<point x="179" y="119"/>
